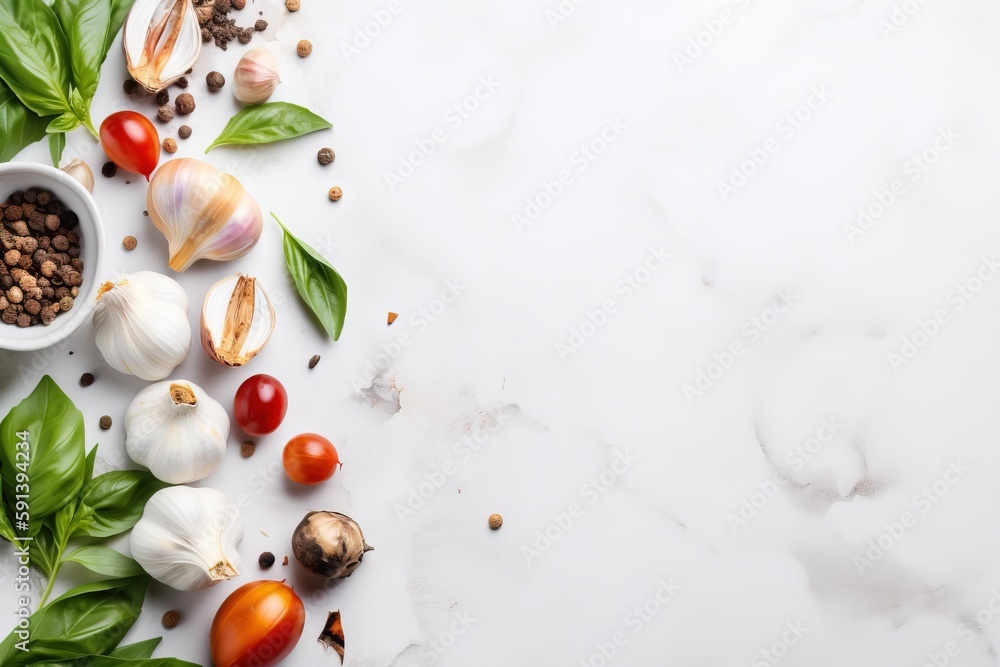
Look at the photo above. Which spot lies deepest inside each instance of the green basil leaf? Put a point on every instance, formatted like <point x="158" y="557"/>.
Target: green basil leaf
<point x="102" y="585"/>
<point x="65" y="123"/>
<point x="113" y="661"/>
<point x="44" y="552"/>
<point x="19" y="125"/>
<point x="103" y="560"/>
<point x="117" y="499"/>
<point x="79" y="624"/>
<point x="317" y="282"/>
<point x="86" y="24"/>
<point x="265" y="123"/>
<point x="138" y="650"/>
<point x="34" y="60"/>
<point x="88" y="470"/>
<point x="57" y="142"/>
<point x="119" y="10"/>
<point x="55" y="459"/>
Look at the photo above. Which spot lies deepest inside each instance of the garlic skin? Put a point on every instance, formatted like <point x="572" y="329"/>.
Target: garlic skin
<point x="256" y="76"/>
<point x="236" y="320"/>
<point x="161" y="40"/>
<point x="329" y="544"/>
<point x="141" y="325"/>
<point x="177" y="431"/>
<point x="188" y="538"/>
<point x="204" y="213"/>
<point x="79" y="170"/>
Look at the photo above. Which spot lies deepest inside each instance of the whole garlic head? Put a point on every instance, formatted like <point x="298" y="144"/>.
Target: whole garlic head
<point x="256" y="76"/>
<point x="188" y="538"/>
<point x="204" y="213"/>
<point x="177" y="431"/>
<point x="161" y="40"/>
<point x="236" y="320"/>
<point x="141" y="325"/>
<point x="329" y="544"/>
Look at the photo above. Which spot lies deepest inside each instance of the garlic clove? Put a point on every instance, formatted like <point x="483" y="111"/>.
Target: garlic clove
<point x="204" y="213"/>
<point x="79" y="170"/>
<point x="141" y="325"/>
<point x="236" y="320"/>
<point x="256" y="76"/>
<point x="161" y="40"/>
<point x="188" y="538"/>
<point x="177" y="431"/>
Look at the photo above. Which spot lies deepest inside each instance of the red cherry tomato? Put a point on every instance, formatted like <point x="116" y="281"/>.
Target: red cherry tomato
<point x="260" y="405"/>
<point x="258" y="624"/>
<point x="131" y="142"/>
<point x="309" y="459"/>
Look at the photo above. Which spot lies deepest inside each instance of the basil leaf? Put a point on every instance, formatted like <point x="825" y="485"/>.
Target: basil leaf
<point x="57" y="142"/>
<point x="44" y="552"/>
<point x="119" y="10"/>
<point x="103" y="560"/>
<point x="79" y="624"/>
<point x="88" y="470"/>
<point x="54" y="463"/>
<point x="317" y="282"/>
<point x="117" y="499"/>
<point x="19" y="125"/>
<point x="265" y="123"/>
<point x="86" y="24"/>
<point x="138" y="650"/>
<point x="113" y="661"/>
<point x="34" y="56"/>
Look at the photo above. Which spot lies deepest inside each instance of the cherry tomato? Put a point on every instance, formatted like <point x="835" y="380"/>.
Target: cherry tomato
<point x="131" y="142"/>
<point x="258" y="624"/>
<point x="309" y="459"/>
<point x="260" y="405"/>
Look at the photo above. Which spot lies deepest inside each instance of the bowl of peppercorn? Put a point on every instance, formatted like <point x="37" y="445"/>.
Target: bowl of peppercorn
<point x="51" y="255"/>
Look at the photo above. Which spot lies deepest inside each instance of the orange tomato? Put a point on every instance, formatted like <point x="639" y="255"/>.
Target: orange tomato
<point x="309" y="458"/>
<point x="258" y="625"/>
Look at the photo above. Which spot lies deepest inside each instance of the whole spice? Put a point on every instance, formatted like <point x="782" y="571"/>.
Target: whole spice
<point x="130" y="242"/>
<point x="292" y="5"/>
<point x="260" y="25"/>
<point x="185" y="103"/>
<point x="256" y="76"/>
<point x="163" y="97"/>
<point x="215" y="81"/>
<point x="495" y="521"/>
<point x="284" y="561"/>
<point x="184" y="131"/>
<point x="238" y="4"/>
<point x="335" y="193"/>
<point x="188" y="538"/>
<point x="304" y="48"/>
<point x="130" y="86"/>
<point x="86" y="379"/>
<point x="177" y="431"/>
<point x="248" y="448"/>
<point x="329" y="544"/>
<point x="314" y="361"/>
<point x="266" y="560"/>
<point x="325" y="156"/>
<point x="236" y="320"/>
<point x="165" y="114"/>
<point x="171" y="619"/>
<point x="109" y="169"/>
<point x="245" y="35"/>
<point x="105" y="422"/>
<point x="170" y="145"/>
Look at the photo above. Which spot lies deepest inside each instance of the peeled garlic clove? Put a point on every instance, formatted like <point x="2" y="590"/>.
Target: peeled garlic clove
<point x="204" y="213"/>
<point x="79" y="170"/>
<point x="188" y="538"/>
<point x="256" y="76"/>
<point x="177" y="431"/>
<point x="141" y="325"/>
<point x="236" y="320"/>
<point x="162" y="40"/>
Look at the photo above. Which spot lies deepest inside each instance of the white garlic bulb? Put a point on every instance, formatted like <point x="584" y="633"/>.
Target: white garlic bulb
<point x="256" y="76"/>
<point x="177" y="431"/>
<point x="141" y="325"/>
<point x="236" y="320"/>
<point x="79" y="170"/>
<point x="161" y="40"/>
<point x="188" y="538"/>
<point x="204" y="213"/>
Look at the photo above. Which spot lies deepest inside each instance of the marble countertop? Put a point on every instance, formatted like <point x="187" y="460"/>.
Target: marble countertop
<point x="701" y="297"/>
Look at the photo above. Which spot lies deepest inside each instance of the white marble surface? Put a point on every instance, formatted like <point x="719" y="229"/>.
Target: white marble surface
<point x="748" y="499"/>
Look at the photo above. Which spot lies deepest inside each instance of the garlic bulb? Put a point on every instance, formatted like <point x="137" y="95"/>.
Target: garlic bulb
<point x="177" y="431"/>
<point x="329" y="544"/>
<point x="161" y="40"/>
<point x="236" y="320"/>
<point x="79" y="170"/>
<point x="204" y="213"/>
<point x="188" y="538"/>
<point x="141" y="325"/>
<point x="256" y="76"/>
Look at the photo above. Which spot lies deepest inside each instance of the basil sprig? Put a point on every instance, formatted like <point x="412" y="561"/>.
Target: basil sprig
<point x="317" y="282"/>
<point x="266" y="123"/>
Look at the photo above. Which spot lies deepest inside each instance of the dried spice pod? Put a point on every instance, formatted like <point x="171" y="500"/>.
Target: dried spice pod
<point x="236" y="320"/>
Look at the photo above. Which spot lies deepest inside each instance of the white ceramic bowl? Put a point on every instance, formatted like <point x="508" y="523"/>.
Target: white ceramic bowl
<point x="16" y="176"/>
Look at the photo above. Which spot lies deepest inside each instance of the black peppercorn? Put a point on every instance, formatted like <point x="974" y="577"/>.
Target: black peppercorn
<point x="266" y="559"/>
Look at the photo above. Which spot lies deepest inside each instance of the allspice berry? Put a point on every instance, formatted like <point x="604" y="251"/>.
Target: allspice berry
<point x="304" y="48"/>
<point x="184" y="131"/>
<point x="171" y="619"/>
<point x="170" y="145"/>
<point x="495" y="521"/>
<point x="165" y="114"/>
<point x="130" y="86"/>
<point x="215" y="81"/>
<point x="292" y="5"/>
<point x="86" y="379"/>
<point x="163" y="97"/>
<point x="260" y="25"/>
<point x="238" y="4"/>
<point x="335" y="193"/>
<point x="130" y="242"/>
<point x="266" y="560"/>
<point x="185" y="103"/>
<point x="105" y="422"/>
<point x="325" y="156"/>
<point x="247" y="449"/>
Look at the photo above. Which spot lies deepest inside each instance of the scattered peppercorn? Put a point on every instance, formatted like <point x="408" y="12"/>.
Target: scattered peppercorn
<point x="245" y="35"/>
<point x="496" y="521"/>
<point x="163" y="97"/>
<point x="215" y="81"/>
<point x="325" y="156"/>
<point x="182" y="82"/>
<point x="391" y="318"/>
<point x="165" y="114"/>
<point x="284" y="561"/>
<point x="335" y="193"/>
<point x="109" y="169"/>
<point x="185" y="103"/>
<point x="105" y="422"/>
<point x="130" y="242"/>
<point x="86" y="379"/>
<point x="266" y="559"/>
<point x="238" y="4"/>
<point x="292" y="5"/>
<point x="304" y="48"/>
<point x="171" y="619"/>
<point x="260" y="25"/>
<point x="170" y="145"/>
<point x="184" y="131"/>
<point x="248" y="448"/>
<point x="314" y="361"/>
<point x="130" y="86"/>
